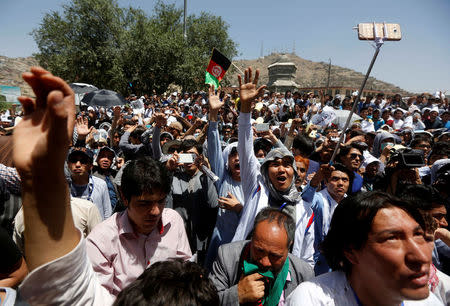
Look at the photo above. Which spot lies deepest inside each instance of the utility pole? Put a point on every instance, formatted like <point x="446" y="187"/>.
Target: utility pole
<point x="184" y="20"/>
<point x="329" y="72"/>
<point x="262" y="49"/>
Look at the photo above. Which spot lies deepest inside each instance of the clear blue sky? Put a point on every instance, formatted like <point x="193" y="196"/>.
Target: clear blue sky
<point x="321" y="29"/>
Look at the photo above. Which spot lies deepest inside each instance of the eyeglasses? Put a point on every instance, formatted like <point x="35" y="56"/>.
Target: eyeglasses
<point x="355" y="155"/>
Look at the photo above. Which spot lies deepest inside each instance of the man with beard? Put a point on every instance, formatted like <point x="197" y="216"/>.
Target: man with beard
<point x="260" y="270"/>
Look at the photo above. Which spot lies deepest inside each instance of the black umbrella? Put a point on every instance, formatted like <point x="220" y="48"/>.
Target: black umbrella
<point x="82" y="88"/>
<point x="103" y="97"/>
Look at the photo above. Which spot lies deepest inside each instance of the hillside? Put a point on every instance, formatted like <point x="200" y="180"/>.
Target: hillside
<point x="315" y="74"/>
<point x="309" y="74"/>
<point x="11" y="70"/>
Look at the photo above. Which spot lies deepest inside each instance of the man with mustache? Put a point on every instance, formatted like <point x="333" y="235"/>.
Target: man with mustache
<point x="260" y="271"/>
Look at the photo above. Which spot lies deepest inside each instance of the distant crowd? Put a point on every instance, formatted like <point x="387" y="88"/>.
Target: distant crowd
<point x="209" y="198"/>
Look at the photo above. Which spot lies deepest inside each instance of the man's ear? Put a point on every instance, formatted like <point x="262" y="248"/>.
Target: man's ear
<point x="124" y="200"/>
<point x="352" y="256"/>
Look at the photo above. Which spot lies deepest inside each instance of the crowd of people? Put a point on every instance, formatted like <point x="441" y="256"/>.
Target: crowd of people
<point x="209" y="198"/>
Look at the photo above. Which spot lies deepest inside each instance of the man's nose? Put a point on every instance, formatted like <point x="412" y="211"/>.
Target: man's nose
<point x="155" y="210"/>
<point x="264" y="262"/>
<point x="417" y="253"/>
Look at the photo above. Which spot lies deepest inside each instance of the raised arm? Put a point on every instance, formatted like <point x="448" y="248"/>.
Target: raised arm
<point x="248" y="162"/>
<point x="41" y="141"/>
<point x="156" y="145"/>
<point x="214" y="147"/>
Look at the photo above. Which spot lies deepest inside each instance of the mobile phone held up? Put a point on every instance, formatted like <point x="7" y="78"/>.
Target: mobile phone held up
<point x="186" y="158"/>
<point x="388" y="31"/>
<point x="262" y="127"/>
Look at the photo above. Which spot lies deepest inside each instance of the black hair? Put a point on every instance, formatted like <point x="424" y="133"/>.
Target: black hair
<point x="272" y="214"/>
<point x="304" y="144"/>
<point x="423" y="197"/>
<point x="137" y="132"/>
<point x="441" y="148"/>
<point x="352" y="222"/>
<point x="145" y="175"/>
<point x="343" y="151"/>
<point x="419" y="139"/>
<point x="233" y="151"/>
<point x="262" y="144"/>
<point x="189" y="144"/>
<point x="350" y="174"/>
<point x="174" y="282"/>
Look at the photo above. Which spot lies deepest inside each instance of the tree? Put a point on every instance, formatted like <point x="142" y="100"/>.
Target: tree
<point x="97" y="42"/>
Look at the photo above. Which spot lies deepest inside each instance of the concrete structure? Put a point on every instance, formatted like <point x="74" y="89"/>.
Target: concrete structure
<point x="282" y="75"/>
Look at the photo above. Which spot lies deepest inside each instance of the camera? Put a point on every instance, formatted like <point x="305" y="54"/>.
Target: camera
<point x="408" y="158"/>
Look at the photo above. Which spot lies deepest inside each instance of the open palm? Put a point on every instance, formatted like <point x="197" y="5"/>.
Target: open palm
<point x="214" y="102"/>
<point x="249" y="90"/>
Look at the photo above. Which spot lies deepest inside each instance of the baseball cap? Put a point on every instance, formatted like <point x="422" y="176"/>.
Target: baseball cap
<point x="81" y="150"/>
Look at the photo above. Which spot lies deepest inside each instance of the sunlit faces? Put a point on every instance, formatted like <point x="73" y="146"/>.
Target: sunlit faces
<point x="269" y="246"/>
<point x="396" y="258"/>
<point x="144" y="211"/>
<point x="79" y="165"/>
<point x="105" y="159"/>
<point x="281" y="173"/>
<point x="352" y="160"/>
<point x="372" y="169"/>
<point x="301" y="173"/>
<point x="234" y="166"/>
<point x="192" y="167"/>
<point x="439" y="214"/>
<point x="337" y="184"/>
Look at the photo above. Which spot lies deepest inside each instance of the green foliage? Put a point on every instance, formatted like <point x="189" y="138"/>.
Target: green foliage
<point x="98" y="42"/>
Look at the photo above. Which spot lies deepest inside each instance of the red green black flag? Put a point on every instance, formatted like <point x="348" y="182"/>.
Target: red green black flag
<point x="218" y="66"/>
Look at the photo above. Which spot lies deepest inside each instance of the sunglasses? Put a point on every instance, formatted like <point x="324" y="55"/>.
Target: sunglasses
<point x="355" y="155"/>
<point x="82" y="159"/>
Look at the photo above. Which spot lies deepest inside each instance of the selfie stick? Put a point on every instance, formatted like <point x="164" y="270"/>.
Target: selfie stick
<point x="379" y="41"/>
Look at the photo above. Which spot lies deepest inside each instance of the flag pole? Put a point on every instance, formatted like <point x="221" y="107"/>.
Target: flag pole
<point x="232" y="63"/>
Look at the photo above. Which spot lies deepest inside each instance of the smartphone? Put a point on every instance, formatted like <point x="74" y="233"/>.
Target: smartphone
<point x="186" y="158"/>
<point x="262" y="127"/>
<point x="390" y="31"/>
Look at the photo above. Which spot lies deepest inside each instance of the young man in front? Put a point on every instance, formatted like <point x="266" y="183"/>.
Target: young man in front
<point x="123" y="246"/>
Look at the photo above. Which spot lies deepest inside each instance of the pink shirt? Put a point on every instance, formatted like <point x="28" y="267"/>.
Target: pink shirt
<point x="119" y="255"/>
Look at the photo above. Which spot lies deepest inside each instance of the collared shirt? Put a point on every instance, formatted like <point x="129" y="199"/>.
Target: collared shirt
<point x="119" y="255"/>
<point x="333" y="289"/>
<point x="97" y="192"/>
<point x="283" y="296"/>
<point x="69" y="280"/>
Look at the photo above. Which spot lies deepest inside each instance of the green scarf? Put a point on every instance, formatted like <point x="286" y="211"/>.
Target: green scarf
<point x="275" y="286"/>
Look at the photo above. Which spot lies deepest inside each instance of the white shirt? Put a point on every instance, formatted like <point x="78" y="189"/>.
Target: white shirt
<point x="85" y="216"/>
<point x="68" y="280"/>
<point x="333" y="289"/>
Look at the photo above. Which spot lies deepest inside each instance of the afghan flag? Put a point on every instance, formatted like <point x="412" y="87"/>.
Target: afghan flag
<point x="218" y="66"/>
